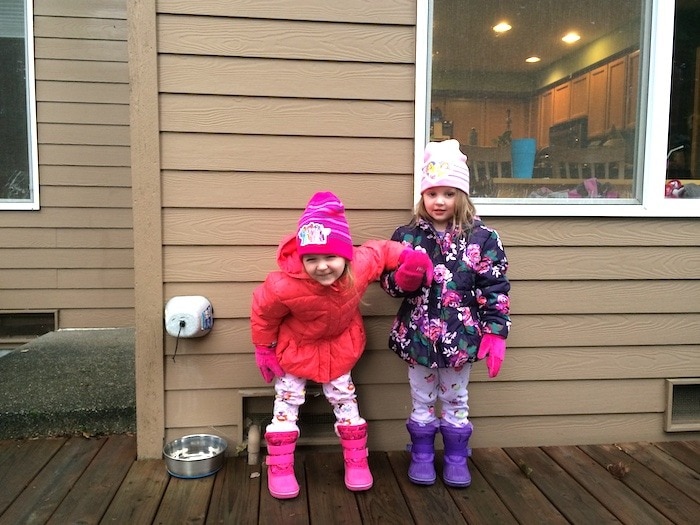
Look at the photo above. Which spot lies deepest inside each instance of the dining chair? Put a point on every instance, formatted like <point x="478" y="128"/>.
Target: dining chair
<point x="487" y="163"/>
<point x="603" y="162"/>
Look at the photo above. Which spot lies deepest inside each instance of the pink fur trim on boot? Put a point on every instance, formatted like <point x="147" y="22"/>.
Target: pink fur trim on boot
<point x="281" y="481"/>
<point x="353" y="439"/>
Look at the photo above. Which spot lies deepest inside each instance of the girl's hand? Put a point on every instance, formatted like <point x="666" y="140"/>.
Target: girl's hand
<point x="267" y="362"/>
<point x="415" y="269"/>
<point x="494" y="347"/>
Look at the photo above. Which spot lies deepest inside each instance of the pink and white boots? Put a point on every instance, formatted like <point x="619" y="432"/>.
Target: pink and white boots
<point x="353" y="439"/>
<point x="281" y="481"/>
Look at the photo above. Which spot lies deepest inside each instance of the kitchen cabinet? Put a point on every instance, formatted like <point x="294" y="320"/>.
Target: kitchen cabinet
<point x="617" y="94"/>
<point x="545" y="117"/>
<point x="579" y="96"/>
<point x="632" y="89"/>
<point x="597" y="100"/>
<point x="561" y="104"/>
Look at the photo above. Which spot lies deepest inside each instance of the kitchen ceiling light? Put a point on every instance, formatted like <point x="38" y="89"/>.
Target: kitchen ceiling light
<point x="571" y="37"/>
<point x="532" y="59"/>
<point x="502" y="27"/>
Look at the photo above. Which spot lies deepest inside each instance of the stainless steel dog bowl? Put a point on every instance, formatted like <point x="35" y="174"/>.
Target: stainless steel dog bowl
<point x="195" y="456"/>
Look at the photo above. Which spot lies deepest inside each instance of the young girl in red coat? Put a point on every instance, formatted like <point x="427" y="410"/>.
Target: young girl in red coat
<point x="306" y="325"/>
<point x="443" y="327"/>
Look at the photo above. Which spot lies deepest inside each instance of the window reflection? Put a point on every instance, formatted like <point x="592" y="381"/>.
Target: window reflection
<point x="683" y="162"/>
<point x="539" y="117"/>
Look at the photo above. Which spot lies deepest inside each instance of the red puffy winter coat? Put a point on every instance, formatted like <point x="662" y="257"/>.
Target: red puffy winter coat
<point x="318" y="329"/>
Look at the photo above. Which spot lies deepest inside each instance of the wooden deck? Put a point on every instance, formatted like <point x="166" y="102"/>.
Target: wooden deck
<point x="98" y="480"/>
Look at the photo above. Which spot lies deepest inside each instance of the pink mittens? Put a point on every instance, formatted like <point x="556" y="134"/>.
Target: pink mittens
<point x="494" y="347"/>
<point x="415" y="268"/>
<point x="267" y="362"/>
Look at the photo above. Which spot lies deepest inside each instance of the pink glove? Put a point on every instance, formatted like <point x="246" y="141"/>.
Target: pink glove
<point x="267" y="362"/>
<point x="415" y="268"/>
<point x="494" y="347"/>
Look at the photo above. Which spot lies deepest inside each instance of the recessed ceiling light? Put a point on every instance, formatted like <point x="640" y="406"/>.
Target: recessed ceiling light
<point x="532" y="59"/>
<point x="502" y="27"/>
<point x="571" y="37"/>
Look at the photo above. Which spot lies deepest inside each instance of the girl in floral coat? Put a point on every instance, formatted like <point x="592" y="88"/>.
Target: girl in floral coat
<point x="463" y="316"/>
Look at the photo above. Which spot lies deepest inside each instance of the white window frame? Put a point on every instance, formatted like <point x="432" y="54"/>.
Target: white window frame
<point x="33" y="202"/>
<point x="657" y="44"/>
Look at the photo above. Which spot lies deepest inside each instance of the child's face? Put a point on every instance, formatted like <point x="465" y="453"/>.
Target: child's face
<point x="439" y="202"/>
<point x="325" y="269"/>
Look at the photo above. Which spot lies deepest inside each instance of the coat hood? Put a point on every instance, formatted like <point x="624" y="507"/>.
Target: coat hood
<point x="288" y="258"/>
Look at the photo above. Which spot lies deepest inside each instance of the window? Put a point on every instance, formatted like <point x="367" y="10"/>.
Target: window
<point x="19" y="181"/>
<point x="554" y="127"/>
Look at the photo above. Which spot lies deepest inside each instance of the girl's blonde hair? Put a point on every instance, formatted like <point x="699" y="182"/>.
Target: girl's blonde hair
<point x="463" y="218"/>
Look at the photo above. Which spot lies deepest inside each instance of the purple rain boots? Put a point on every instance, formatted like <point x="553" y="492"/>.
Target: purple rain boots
<point x="353" y="439"/>
<point x="421" y="471"/>
<point x="281" y="481"/>
<point x="456" y="441"/>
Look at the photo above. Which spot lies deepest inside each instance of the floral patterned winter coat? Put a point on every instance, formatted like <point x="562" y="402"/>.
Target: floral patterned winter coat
<point x="441" y="326"/>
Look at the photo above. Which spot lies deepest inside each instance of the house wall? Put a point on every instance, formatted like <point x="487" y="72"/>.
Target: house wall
<point x="241" y="110"/>
<point x="75" y="254"/>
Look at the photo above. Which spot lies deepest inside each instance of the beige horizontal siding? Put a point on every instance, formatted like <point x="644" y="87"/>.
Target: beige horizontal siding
<point x="85" y="299"/>
<point x="75" y="254"/>
<point x="70" y="278"/>
<point x="278" y="78"/>
<point x="86" y="92"/>
<point x="80" y="71"/>
<point x="74" y="27"/>
<point x="113" y="176"/>
<point x="89" y="134"/>
<point x="270" y="116"/>
<point x="258" y="196"/>
<point x="82" y="113"/>
<point x="79" y="49"/>
<point x="100" y="317"/>
<point x="66" y="258"/>
<point x="182" y="151"/>
<point x="109" y="9"/>
<point x="361" y="11"/>
<point x="300" y="40"/>
<point x="379" y="368"/>
<point x="71" y="218"/>
<point x="540" y="431"/>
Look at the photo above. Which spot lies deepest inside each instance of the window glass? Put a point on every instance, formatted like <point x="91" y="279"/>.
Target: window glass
<point x="18" y="177"/>
<point x="683" y="163"/>
<point x="543" y="96"/>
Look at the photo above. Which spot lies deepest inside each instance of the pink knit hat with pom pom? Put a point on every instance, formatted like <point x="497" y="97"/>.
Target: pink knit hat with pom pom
<point x="444" y="165"/>
<point x="323" y="229"/>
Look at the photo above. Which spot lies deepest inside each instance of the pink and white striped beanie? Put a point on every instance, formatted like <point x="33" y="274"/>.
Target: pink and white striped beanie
<point x="323" y="229"/>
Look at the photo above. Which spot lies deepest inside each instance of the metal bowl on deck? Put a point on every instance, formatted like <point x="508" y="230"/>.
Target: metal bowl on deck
<point x="195" y="456"/>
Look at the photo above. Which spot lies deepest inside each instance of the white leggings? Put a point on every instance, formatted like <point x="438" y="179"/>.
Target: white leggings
<point x="449" y="385"/>
<point x="290" y="394"/>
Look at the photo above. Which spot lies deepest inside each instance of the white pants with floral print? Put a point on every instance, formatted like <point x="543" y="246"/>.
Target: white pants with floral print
<point x="290" y="394"/>
<point x="448" y="385"/>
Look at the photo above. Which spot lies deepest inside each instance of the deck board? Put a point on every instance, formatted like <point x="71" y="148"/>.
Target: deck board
<point x="99" y="481"/>
<point x="565" y="493"/>
<point x="140" y="494"/>
<point x="517" y="491"/>
<point x="668" y="500"/>
<point x="624" y="503"/>
<point x="20" y="462"/>
<point x="424" y="502"/>
<point x="385" y="502"/>
<point x="43" y="495"/>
